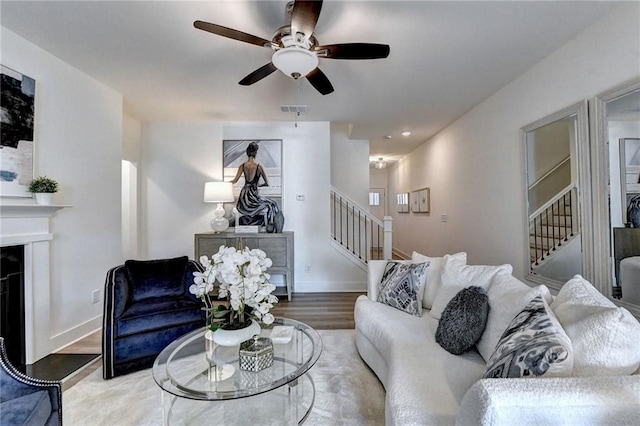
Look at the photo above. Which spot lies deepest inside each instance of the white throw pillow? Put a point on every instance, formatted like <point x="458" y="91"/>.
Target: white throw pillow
<point x="606" y="339"/>
<point x="375" y="270"/>
<point x="533" y="345"/>
<point x="402" y="286"/>
<point x="507" y="297"/>
<point x="434" y="274"/>
<point x="456" y="276"/>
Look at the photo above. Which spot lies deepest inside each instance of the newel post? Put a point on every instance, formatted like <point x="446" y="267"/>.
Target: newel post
<point x="388" y="236"/>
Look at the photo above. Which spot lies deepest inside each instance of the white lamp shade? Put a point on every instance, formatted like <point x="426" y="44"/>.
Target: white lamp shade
<point x="295" y="60"/>
<point x="218" y="192"/>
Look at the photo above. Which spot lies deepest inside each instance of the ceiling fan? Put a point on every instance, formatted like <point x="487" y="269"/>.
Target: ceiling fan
<point x="296" y="48"/>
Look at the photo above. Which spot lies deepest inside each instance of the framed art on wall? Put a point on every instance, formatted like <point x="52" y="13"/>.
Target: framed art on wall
<point x="420" y="202"/>
<point x="269" y="156"/>
<point x="403" y="202"/>
<point x="17" y="106"/>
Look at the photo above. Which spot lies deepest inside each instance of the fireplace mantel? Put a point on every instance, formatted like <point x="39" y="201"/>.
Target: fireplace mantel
<point x="28" y="210"/>
<point x="23" y="222"/>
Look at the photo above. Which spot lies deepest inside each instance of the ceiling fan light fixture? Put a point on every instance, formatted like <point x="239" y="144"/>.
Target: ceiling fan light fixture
<point x="295" y="62"/>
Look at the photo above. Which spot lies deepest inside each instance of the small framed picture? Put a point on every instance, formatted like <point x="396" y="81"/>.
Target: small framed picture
<point x="420" y="201"/>
<point x="403" y="202"/>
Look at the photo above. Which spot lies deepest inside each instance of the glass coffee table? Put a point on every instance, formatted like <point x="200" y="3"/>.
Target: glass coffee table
<point x="281" y="394"/>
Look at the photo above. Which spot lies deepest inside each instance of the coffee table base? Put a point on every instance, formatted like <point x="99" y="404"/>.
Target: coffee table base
<point x="289" y="404"/>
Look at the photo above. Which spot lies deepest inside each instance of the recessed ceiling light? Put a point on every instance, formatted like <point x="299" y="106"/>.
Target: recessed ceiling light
<point x="387" y="137"/>
<point x="406" y="133"/>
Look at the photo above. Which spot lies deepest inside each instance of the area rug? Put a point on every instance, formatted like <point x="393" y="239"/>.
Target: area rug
<point x="347" y="392"/>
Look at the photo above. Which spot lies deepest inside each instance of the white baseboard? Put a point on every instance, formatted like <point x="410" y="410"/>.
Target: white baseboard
<point x="79" y="332"/>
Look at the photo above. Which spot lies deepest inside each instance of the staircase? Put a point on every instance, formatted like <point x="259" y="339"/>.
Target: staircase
<point x="356" y="233"/>
<point x="553" y="225"/>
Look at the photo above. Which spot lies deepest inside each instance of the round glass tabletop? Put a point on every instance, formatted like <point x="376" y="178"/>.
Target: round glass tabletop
<point x="183" y="369"/>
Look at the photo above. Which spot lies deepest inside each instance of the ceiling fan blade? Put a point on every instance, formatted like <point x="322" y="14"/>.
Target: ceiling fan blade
<point x="231" y="33"/>
<point x="305" y="16"/>
<point x="353" y="51"/>
<point x="320" y="81"/>
<point x="258" y="74"/>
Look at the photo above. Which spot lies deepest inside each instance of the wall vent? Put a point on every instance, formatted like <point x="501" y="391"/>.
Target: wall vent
<point x="293" y="108"/>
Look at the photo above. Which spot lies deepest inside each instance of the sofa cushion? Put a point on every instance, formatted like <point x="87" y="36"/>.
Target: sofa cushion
<point x="402" y="286"/>
<point x="534" y="344"/>
<point x="463" y="320"/>
<point x="425" y="383"/>
<point x="157" y="278"/>
<point x="434" y="274"/>
<point x="606" y="338"/>
<point x="456" y="276"/>
<point x="507" y="297"/>
<point x="31" y="409"/>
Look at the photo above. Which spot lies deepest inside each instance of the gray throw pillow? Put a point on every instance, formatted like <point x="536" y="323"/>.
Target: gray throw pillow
<point x="401" y="286"/>
<point x="463" y="320"/>
<point x="534" y="344"/>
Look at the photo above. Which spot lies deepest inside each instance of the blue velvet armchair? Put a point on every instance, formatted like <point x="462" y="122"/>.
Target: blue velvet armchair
<point x="25" y="400"/>
<point x="147" y="305"/>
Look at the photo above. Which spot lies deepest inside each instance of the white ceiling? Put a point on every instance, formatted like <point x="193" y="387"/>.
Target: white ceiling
<point x="446" y="57"/>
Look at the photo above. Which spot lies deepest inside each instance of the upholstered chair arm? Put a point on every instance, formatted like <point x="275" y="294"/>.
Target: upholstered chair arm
<point x="116" y="291"/>
<point x="15" y="384"/>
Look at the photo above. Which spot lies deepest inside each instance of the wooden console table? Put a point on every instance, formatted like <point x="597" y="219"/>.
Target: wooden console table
<point x="626" y="243"/>
<point x="278" y="247"/>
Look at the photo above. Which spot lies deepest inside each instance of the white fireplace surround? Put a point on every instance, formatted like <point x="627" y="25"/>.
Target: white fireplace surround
<point x="22" y="222"/>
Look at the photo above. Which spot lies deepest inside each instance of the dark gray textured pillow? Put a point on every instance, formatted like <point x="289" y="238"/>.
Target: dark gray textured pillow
<point x="463" y="320"/>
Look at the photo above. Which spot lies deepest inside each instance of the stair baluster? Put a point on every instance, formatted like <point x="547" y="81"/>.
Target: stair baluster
<point x="355" y="229"/>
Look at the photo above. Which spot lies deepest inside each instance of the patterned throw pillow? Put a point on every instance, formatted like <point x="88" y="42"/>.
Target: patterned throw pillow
<point x="534" y="344"/>
<point x="463" y="320"/>
<point x="401" y="286"/>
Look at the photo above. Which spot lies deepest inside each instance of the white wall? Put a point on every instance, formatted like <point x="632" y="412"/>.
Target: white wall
<point x="179" y="157"/>
<point x="78" y="136"/>
<point x="131" y="149"/>
<point x="474" y="166"/>
<point x="350" y="165"/>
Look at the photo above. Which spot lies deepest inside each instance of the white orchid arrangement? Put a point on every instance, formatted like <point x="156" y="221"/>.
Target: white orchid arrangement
<point x="244" y="282"/>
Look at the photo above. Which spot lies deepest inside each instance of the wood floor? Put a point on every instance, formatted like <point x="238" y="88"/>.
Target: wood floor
<point x="322" y="311"/>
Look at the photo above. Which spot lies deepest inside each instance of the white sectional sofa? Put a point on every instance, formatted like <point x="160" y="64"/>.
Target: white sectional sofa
<point x="426" y="385"/>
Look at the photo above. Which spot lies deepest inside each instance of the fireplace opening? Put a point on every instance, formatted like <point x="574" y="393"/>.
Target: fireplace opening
<point x="12" y="322"/>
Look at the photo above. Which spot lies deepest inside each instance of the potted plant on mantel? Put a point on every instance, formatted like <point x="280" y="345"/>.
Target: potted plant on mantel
<point x="43" y="187"/>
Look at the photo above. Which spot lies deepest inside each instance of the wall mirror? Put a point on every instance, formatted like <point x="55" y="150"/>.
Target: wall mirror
<point x="616" y="149"/>
<point x="557" y="186"/>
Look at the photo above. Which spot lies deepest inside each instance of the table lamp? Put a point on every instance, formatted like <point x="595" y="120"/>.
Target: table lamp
<point x="218" y="192"/>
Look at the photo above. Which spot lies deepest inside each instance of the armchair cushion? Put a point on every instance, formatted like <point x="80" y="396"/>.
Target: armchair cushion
<point x="156" y="278"/>
<point x="153" y="314"/>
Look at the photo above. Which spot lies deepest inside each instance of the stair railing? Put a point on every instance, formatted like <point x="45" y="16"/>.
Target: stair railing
<point x="357" y="231"/>
<point x="554" y="223"/>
